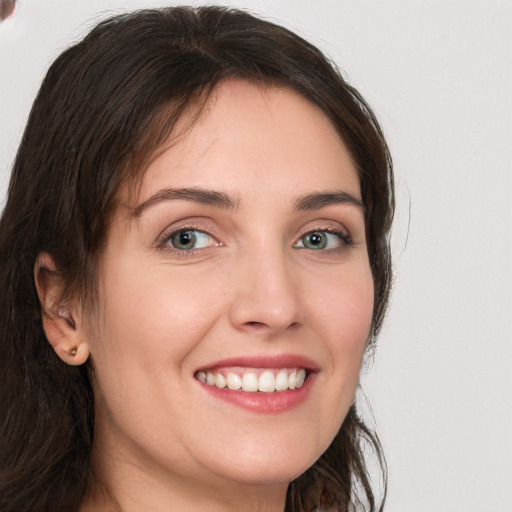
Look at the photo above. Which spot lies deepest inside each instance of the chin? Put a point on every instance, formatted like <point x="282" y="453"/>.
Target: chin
<point x="280" y="462"/>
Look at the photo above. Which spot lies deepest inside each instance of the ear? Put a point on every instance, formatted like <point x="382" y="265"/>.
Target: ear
<point x="61" y="320"/>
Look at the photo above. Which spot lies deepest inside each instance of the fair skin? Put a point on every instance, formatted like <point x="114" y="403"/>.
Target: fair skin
<point x="264" y="271"/>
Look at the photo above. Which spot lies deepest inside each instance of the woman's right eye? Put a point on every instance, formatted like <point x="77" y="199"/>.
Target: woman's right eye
<point x="190" y="239"/>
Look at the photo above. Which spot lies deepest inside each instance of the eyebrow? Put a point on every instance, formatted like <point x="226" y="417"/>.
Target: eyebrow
<point x="197" y="195"/>
<point x="313" y="201"/>
<point x="318" y="200"/>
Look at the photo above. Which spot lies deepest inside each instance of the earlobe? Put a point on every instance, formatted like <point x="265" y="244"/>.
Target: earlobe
<point x="61" y="321"/>
<point x="64" y="336"/>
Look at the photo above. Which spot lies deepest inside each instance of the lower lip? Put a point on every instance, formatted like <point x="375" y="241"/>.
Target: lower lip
<point x="279" y="401"/>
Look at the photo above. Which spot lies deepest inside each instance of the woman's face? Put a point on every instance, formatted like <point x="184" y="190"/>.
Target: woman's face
<point x="242" y="263"/>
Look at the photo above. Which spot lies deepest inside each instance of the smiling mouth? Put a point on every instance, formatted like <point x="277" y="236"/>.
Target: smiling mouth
<point x="252" y="380"/>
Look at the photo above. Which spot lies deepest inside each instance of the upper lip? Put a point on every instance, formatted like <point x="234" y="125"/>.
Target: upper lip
<point x="265" y="361"/>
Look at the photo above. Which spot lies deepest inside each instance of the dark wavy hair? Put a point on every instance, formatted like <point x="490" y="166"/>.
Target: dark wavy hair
<point x="106" y="106"/>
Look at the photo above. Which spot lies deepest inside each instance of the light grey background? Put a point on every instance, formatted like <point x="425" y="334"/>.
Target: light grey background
<point x="439" y="76"/>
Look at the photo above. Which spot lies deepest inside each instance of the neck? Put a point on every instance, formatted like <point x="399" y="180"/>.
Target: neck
<point x="122" y="486"/>
<point x="100" y="499"/>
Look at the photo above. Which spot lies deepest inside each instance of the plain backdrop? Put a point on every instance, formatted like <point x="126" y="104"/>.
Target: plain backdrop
<point x="439" y="76"/>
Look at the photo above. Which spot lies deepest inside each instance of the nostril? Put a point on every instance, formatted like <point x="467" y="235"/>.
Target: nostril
<point x="262" y="325"/>
<point x="255" y="324"/>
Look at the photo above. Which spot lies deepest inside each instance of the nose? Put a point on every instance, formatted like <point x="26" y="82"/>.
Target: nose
<point x="266" y="295"/>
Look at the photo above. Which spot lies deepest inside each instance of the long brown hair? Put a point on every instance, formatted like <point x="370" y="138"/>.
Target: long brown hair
<point x="106" y="105"/>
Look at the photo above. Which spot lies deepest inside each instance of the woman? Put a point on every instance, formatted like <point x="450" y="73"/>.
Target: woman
<point x="194" y="258"/>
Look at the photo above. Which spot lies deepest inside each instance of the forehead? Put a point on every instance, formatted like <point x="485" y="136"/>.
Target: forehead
<point x="256" y="140"/>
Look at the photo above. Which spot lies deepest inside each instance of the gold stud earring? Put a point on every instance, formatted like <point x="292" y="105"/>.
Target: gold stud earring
<point x="73" y="351"/>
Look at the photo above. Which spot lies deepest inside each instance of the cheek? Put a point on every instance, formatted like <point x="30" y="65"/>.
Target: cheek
<point x="345" y="308"/>
<point x="148" y="324"/>
<point x="353" y="321"/>
<point x="155" y="310"/>
<point x="344" y="315"/>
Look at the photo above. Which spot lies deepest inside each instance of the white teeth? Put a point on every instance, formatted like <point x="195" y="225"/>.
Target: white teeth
<point x="301" y="377"/>
<point x="282" y="381"/>
<point x="250" y="382"/>
<point x="292" y="380"/>
<point x="268" y="381"/>
<point x="234" y="381"/>
<point x="220" y="381"/>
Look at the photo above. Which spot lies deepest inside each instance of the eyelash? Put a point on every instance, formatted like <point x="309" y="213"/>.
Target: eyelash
<point x="343" y="238"/>
<point x="166" y="242"/>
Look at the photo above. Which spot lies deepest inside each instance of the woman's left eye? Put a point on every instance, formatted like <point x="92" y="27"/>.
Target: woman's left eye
<point x="326" y="240"/>
<point x="190" y="239"/>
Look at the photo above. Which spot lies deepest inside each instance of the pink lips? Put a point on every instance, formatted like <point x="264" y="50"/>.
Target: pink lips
<point x="266" y="361"/>
<point x="261" y="402"/>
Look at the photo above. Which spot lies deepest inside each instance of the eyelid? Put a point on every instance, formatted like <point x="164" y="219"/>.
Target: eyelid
<point x="327" y="225"/>
<point x="203" y="224"/>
